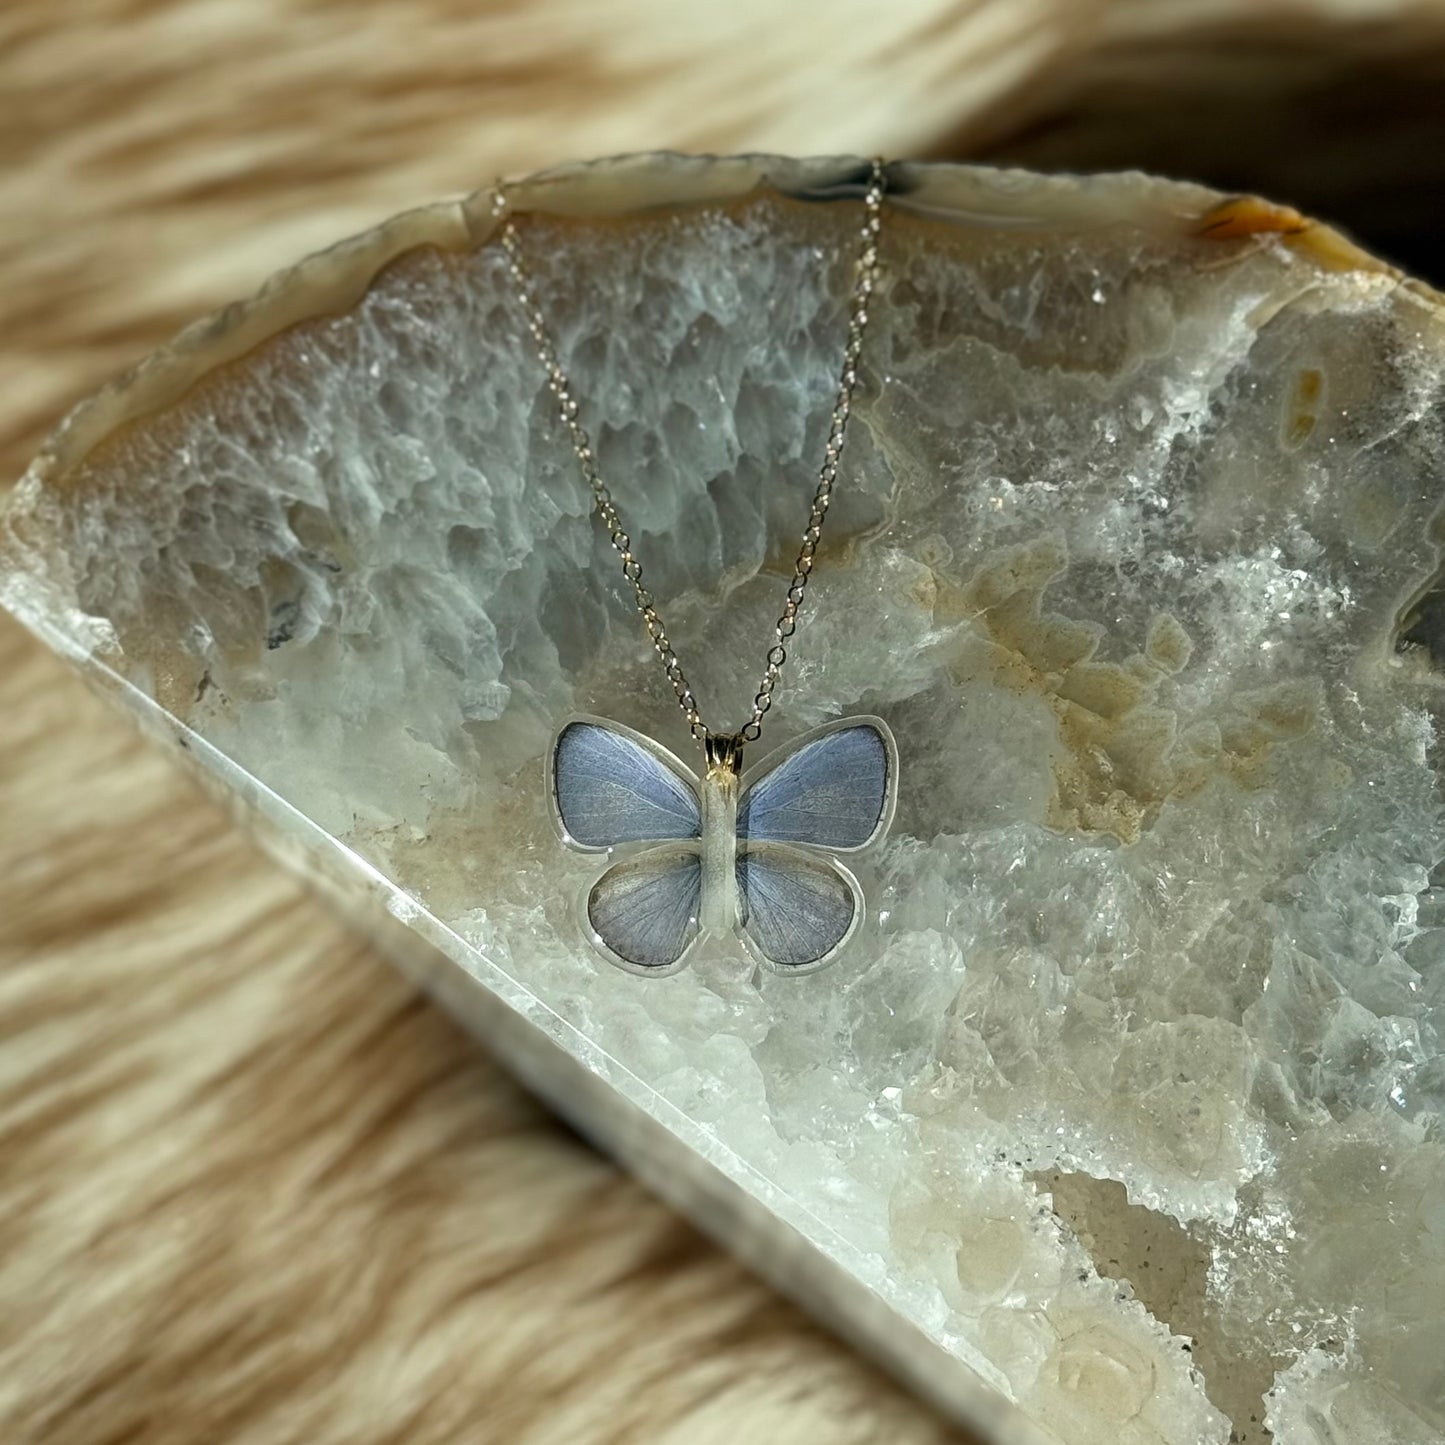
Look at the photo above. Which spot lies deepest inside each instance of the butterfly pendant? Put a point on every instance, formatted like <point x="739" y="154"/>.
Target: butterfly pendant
<point x="755" y="856"/>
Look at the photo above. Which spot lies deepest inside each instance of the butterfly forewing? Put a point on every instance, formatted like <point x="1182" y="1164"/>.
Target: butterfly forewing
<point x="612" y="786"/>
<point x="797" y="909"/>
<point x="833" y="790"/>
<point x="644" y="910"/>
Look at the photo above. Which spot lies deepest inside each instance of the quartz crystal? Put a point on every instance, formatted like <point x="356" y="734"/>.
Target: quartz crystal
<point x="1121" y="1121"/>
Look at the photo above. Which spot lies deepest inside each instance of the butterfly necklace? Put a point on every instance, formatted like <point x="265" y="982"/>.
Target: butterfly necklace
<point x="755" y="854"/>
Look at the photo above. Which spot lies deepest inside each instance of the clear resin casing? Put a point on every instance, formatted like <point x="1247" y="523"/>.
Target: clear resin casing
<point x="1120" y="1121"/>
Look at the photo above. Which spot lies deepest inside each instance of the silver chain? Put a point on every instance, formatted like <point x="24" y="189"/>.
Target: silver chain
<point x="866" y="274"/>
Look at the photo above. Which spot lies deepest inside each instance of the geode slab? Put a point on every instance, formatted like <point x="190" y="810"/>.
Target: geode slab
<point x="1121" y="1123"/>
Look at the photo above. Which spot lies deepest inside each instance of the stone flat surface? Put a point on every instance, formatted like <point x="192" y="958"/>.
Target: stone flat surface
<point x="1131" y="1094"/>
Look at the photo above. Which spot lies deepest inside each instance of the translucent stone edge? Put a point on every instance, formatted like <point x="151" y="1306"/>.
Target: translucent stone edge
<point x="333" y="280"/>
<point x="739" y="1208"/>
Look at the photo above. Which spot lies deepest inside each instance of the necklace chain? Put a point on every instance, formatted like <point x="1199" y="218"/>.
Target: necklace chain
<point x="865" y="277"/>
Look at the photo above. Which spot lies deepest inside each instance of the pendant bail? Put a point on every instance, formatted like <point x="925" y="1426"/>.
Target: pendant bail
<point x="724" y="752"/>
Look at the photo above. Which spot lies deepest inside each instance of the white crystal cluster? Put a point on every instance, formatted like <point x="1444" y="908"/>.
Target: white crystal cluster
<point x="1131" y="1090"/>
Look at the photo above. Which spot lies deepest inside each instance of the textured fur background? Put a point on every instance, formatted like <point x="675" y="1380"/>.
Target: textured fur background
<point x="252" y="1188"/>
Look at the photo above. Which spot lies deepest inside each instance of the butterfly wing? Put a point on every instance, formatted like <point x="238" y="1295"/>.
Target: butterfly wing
<point x="643" y="912"/>
<point x="610" y="785"/>
<point x="833" y="788"/>
<point x="798" y="910"/>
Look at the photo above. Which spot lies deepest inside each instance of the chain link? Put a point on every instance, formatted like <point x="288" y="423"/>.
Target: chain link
<point x="865" y="279"/>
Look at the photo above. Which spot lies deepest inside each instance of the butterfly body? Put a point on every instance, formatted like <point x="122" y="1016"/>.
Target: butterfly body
<point x="752" y="855"/>
<point x="718" y="908"/>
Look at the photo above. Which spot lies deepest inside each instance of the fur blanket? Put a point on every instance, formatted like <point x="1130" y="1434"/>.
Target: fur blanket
<point x="252" y="1187"/>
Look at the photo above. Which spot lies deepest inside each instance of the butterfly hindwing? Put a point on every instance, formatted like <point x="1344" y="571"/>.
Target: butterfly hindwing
<point x="612" y="786"/>
<point x="643" y="911"/>
<point x="797" y="909"/>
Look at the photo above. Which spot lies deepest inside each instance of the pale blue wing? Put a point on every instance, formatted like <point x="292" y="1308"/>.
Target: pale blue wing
<point x="611" y="785"/>
<point x="797" y="909"/>
<point x="643" y="911"/>
<point x="833" y="789"/>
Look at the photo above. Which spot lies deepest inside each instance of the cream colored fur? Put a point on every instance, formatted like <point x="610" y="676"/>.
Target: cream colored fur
<point x="252" y="1187"/>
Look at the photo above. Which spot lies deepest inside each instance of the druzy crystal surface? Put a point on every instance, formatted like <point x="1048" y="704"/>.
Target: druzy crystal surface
<point x="1128" y="1096"/>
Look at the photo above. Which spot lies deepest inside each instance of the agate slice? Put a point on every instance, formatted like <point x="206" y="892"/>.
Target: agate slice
<point x="1121" y="1121"/>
